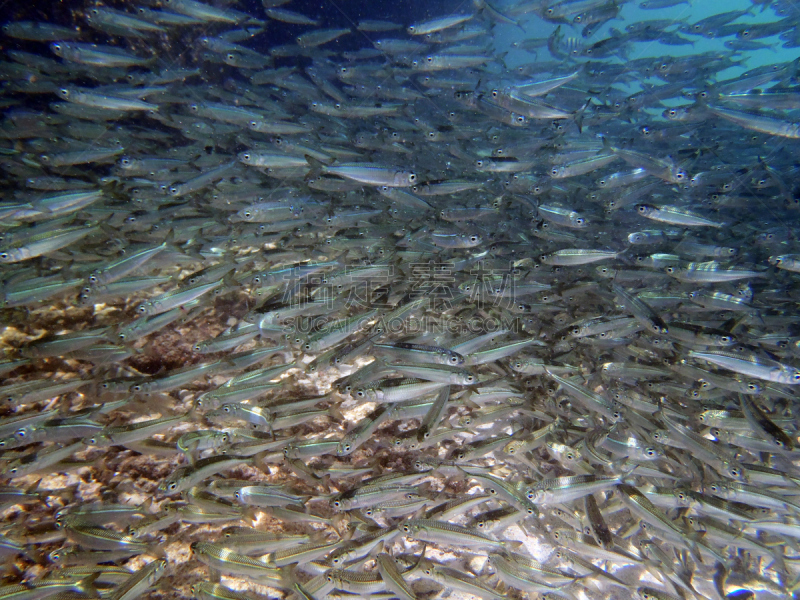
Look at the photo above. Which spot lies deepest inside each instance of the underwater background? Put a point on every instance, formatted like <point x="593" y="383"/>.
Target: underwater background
<point x="399" y="300"/>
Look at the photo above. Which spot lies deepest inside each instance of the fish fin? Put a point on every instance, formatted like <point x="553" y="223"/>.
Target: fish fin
<point x="317" y="166"/>
<point x="628" y="473"/>
<point x="147" y="505"/>
<point x="157" y="550"/>
<point x="420" y="513"/>
<point x="579" y="115"/>
<point x="466" y="400"/>
<point x="513" y="544"/>
<point x="260" y="458"/>
<point x="87" y="587"/>
<point x="335" y="414"/>
<point x="250" y="513"/>
<point x="379" y="547"/>
<point x="325" y="481"/>
<point x="340" y="260"/>
<point x="34" y="487"/>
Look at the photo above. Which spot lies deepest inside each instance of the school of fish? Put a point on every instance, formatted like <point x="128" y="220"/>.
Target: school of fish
<point x="375" y="315"/>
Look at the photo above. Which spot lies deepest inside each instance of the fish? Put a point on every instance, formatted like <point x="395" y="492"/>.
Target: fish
<point x="416" y="303"/>
<point x="435" y="25"/>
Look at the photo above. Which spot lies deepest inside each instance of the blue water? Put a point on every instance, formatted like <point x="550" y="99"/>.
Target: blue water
<point x="506" y="35"/>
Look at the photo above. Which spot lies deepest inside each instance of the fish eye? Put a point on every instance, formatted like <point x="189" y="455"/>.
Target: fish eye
<point x="429" y="59"/>
<point x="173" y="486"/>
<point x="412" y="177"/>
<point x="329" y="578"/>
<point x="554" y="171"/>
